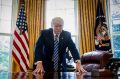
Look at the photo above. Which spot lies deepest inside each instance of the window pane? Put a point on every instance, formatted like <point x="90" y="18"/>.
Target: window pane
<point x="5" y="26"/>
<point x="6" y="2"/>
<point x="0" y="11"/>
<point x="5" y="16"/>
<point x="4" y="75"/>
<point x="6" y="12"/>
<point x="0" y="2"/>
<point x="4" y="52"/>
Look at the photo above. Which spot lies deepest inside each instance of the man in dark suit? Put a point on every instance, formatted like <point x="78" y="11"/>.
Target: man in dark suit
<point x="51" y="47"/>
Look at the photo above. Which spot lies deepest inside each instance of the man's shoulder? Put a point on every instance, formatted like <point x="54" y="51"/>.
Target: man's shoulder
<point x="66" y="32"/>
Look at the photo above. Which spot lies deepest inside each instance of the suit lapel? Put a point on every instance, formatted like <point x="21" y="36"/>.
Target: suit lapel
<point x="61" y="40"/>
<point x="51" y="39"/>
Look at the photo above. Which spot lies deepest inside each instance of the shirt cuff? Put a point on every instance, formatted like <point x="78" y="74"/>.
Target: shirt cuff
<point x="37" y="62"/>
<point x="77" y="61"/>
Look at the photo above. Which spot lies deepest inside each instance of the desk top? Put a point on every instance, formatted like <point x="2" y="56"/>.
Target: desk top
<point x="50" y="75"/>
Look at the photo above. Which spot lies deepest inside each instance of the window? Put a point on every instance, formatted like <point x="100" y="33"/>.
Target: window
<point x="5" y="33"/>
<point x="65" y="9"/>
<point x="114" y="22"/>
<point x="6" y="21"/>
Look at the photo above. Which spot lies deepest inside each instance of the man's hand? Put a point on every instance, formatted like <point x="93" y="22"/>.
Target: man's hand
<point x="39" y="68"/>
<point x="79" y="68"/>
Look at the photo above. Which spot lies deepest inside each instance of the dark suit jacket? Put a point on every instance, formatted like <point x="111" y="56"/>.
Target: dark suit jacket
<point x="45" y="45"/>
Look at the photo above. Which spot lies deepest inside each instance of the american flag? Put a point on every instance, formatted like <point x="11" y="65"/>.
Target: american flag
<point x="20" y="50"/>
<point x="100" y="19"/>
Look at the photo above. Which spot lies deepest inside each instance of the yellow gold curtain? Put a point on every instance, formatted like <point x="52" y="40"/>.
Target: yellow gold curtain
<point x="35" y="10"/>
<point x="86" y="21"/>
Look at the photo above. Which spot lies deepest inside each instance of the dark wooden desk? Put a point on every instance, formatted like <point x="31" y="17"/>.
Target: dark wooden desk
<point x="61" y="75"/>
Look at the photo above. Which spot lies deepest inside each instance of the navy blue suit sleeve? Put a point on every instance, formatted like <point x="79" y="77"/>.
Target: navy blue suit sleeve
<point x="72" y="48"/>
<point x="39" y="48"/>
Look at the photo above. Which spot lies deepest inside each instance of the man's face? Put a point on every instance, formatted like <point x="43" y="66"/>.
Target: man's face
<point x="57" y="28"/>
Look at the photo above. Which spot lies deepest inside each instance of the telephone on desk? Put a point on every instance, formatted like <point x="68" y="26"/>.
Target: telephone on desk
<point x="113" y="65"/>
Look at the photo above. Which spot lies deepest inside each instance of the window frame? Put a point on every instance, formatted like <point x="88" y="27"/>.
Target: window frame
<point x="110" y="23"/>
<point x="14" y="12"/>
